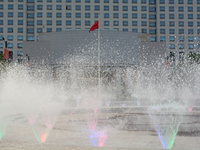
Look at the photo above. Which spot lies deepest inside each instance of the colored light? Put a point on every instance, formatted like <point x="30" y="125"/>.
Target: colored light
<point x="98" y="138"/>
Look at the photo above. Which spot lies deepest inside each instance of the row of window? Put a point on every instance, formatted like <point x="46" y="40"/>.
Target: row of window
<point x="181" y="46"/>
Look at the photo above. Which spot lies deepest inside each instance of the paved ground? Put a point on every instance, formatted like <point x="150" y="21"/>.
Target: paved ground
<point x="71" y="132"/>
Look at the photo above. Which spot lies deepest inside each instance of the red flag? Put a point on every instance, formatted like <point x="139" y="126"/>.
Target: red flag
<point x="94" y="26"/>
<point x="6" y="53"/>
<point x="168" y="64"/>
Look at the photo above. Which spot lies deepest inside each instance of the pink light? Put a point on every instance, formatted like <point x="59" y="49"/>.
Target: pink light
<point x="43" y="137"/>
<point x="32" y="119"/>
<point x="95" y="110"/>
<point x="190" y="108"/>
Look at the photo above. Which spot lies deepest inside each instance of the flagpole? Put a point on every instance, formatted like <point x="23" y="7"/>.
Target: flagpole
<point x="99" y="69"/>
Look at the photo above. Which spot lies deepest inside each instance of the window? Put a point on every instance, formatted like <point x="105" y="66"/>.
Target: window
<point x="78" y="7"/>
<point x="30" y="8"/>
<point x="181" y="16"/>
<point x="19" y="45"/>
<point x="171" y="46"/>
<point x="125" y="30"/>
<point x="31" y="1"/>
<point x="30" y="30"/>
<point x="190" y="24"/>
<point x="30" y="15"/>
<point x="125" y="15"/>
<point x="68" y="7"/>
<point x="180" y="9"/>
<point x="115" y="1"/>
<point x="198" y="16"/>
<point x="134" y="1"/>
<point x="30" y="38"/>
<point x="78" y="23"/>
<point x="134" y="15"/>
<point x="171" y="16"/>
<point x="39" y="7"/>
<point x="152" y="1"/>
<point x="106" y="15"/>
<point x="198" y="31"/>
<point x="49" y="29"/>
<point x="49" y="7"/>
<point x="162" y="1"/>
<point x="106" y="23"/>
<point x="58" y="22"/>
<point x="171" y="8"/>
<point x="49" y="1"/>
<point x="143" y="8"/>
<point x="162" y="16"/>
<point x="78" y="1"/>
<point x="143" y="1"/>
<point x="1" y="6"/>
<point x="171" y="1"/>
<point x="20" y="30"/>
<point x="59" y="15"/>
<point x="1" y="22"/>
<point x="1" y="30"/>
<point x="152" y="16"/>
<point x="115" y="23"/>
<point x="58" y="29"/>
<point x="190" y="9"/>
<point x="87" y="23"/>
<point x="162" y="31"/>
<point x="20" y="14"/>
<point x="87" y="7"/>
<point x="96" y="1"/>
<point x="10" y="14"/>
<point x="49" y="22"/>
<point x="10" y="45"/>
<point x="1" y="14"/>
<point x="152" y="9"/>
<point x="190" y="39"/>
<point x="198" y="9"/>
<point x="58" y="1"/>
<point x="49" y="15"/>
<point x="20" y="7"/>
<point x="190" y="1"/>
<point x="162" y="8"/>
<point x="181" y="23"/>
<point x="10" y="22"/>
<point x="153" y="39"/>
<point x="68" y="22"/>
<point x="87" y="1"/>
<point x="58" y="7"/>
<point x="198" y="24"/>
<point x="125" y="8"/>
<point x="87" y="15"/>
<point x="181" y="31"/>
<point x="180" y="1"/>
<point x="96" y="15"/>
<point x="125" y="23"/>
<point x="190" y="31"/>
<point x="134" y="8"/>
<point x="20" y="22"/>
<point x="162" y="38"/>
<point x="171" y="23"/>
<point x="134" y="30"/>
<point x="152" y="31"/>
<point x="10" y="7"/>
<point x="125" y="1"/>
<point x="78" y="15"/>
<point x="144" y="30"/>
<point x="39" y="0"/>
<point x="190" y="16"/>
<point x="30" y="23"/>
<point x="39" y="15"/>
<point x="115" y="8"/>
<point x="106" y="1"/>
<point x="39" y="30"/>
<point x="190" y="46"/>
<point x="134" y="23"/>
<point x="106" y="8"/>
<point x="198" y="1"/>
<point x="171" y="31"/>
<point x="152" y="24"/>
<point x="96" y="7"/>
<point x="10" y="37"/>
<point x="144" y="16"/>
<point x="1" y="45"/>
<point x="171" y="38"/>
<point x="39" y="22"/>
<point x="162" y="23"/>
<point x="144" y="23"/>
<point x="181" y="46"/>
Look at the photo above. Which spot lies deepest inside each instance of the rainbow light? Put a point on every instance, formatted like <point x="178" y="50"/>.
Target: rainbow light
<point x="98" y="138"/>
<point x="3" y="127"/>
<point x="41" y="138"/>
<point x="92" y="122"/>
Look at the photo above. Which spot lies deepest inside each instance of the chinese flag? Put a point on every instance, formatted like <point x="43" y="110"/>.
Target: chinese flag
<point x="94" y="26"/>
<point x="6" y="53"/>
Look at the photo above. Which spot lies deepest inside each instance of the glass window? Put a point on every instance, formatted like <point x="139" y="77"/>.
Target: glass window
<point x="144" y="30"/>
<point x="125" y="8"/>
<point x="152" y="24"/>
<point x="134" y="30"/>
<point x="171" y="23"/>
<point x="1" y="6"/>
<point x="30" y="38"/>
<point x="115" y="15"/>
<point x="181" y="23"/>
<point x="30" y="7"/>
<point x="39" y="7"/>
<point x="190" y="1"/>
<point x="1" y="30"/>
<point x="87" y="15"/>
<point x="39" y="30"/>
<point x="10" y="37"/>
<point x="125" y="1"/>
<point x="58" y="7"/>
<point x="143" y="1"/>
<point x="58" y="0"/>
<point x="96" y="1"/>
<point x="153" y="39"/>
<point x="78" y="1"/>
<point x="162" y="38"/>
<point x="78" y="23"/>
<point x="106" y="23"/>
<point x="10" y="14"/>
<point x="198" y="1"/>
<point x="190" y="9"/>
<point x="30" y="23"/>
<point x="31" y="1"/>
<point x="125" y="15"/>
<point x="190" y="24"/>
<point x="134" y="8"/>
<point x="87" y="7"/>
<point x="49" y="22"/>
<point x="39" y="0"/>
<point x="20" y="45"/>
<point x="78" y="7"/>
<point x="30" y="30"/>
<point x="171" y="46"/>
<point x="162" y="8"/>
<point x="10" y="30"/>
<point x="162" y="31"/>
<point x="181" y="31"/>
<point x="106" y="8"/>
<point x="198" y="16"/>
<point x="39" y="22"/>
<point x="125" y="30"/>
<point x="171" y="1"/>
<point x="20" y="14"/>
<point x="115" y="1"/>
<point x="58" y="22"/>
<point x="171" y="38"/>
<point x="134" y="1"/>
<point x="190" y="16"/>
<point x="20" y="30"/>
<point x="144" y="16"/>
<point x="49" y="15"/>
<point x="181" y="46"/>
<point x="68" y="7"/>
<point x="78" y="15"/>
<point x="20" y="22"/>
<point x="180" y="1"/>
<point x="87" y="1"/>
<point x="59" y="15"/>
<point x="96" y="15"/>
<point x="171" y="8"/>
<point x="96" y="7"/>
<point x="1" y="45"/>
<point x="134" y="23"/>
<point x="10" y="22"/>
<point x="1" y="14"/>
<point x="106" y="1"/>
<point x="106" y="15"/>
<point x="171" y="16"/>
<point x="10" y="6"/>
<point x="190" y="38"/>
<point x="87" y="23"/>
<point x="162" y="16"/>
<point x="143" y="8"/>
<point x="68" y="22"/>
<point x="30" y="15"/>
<point x="49" y="7"/>
<point x="152" y="16"/>
<point x="1" y="22"/>
<point x="198" y="31"/>
<point x="115" y="8"/>
<point x="134" y="15"/>
<point x="39" y="15"/>
<point x="10" y="45"/>
<point x="144" y="23"/>
<point x="181" y="16"/>
<point x="162" y="23"/>
<point x="49" y="1"/>
<point x="190" y="46"/>
<point x="152" y="1"/>
<point x="198" y="9"/>
<point x="20" y="37"/>
<point x="180" y="9"/>
<point x="58" y="29"/>
<point x="190" y="31"/>
<point x="198" y="24"/>
<point x="152" y="31"/>
<point x="49" y="29"/>
<point x="20" y="7"/>
<point x="152" y="9"/>
<point x="115" y="23"/>
<point x="162" y="1"/>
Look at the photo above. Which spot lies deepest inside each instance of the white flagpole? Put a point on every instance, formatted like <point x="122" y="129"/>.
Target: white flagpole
<point x="99" y="69"/>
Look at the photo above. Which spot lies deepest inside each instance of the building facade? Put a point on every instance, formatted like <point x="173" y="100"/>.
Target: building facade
<point x="177" y="22"/>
